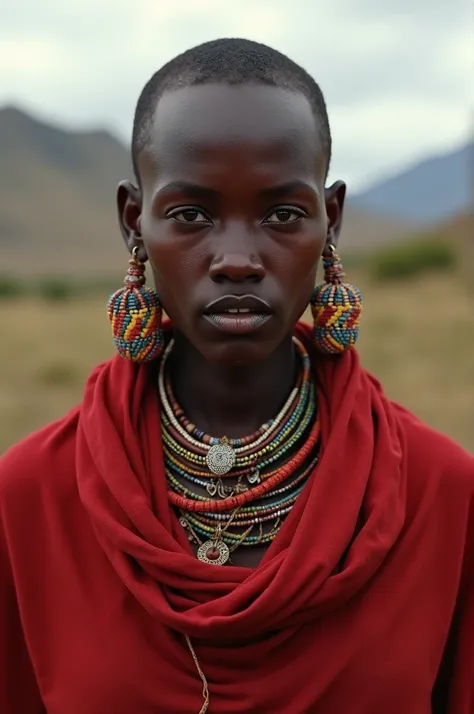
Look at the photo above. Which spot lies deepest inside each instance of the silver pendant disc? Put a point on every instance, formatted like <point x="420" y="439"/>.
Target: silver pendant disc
<point x="220" y="458"/>
<point x="213" y="553"/>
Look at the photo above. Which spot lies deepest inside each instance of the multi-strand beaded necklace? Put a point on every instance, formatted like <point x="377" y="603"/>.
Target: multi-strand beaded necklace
<point x="265" y="472"/>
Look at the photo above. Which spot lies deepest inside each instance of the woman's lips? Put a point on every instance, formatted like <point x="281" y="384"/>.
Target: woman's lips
<point x="238" y="323"/>
<point x="238" y="314"/>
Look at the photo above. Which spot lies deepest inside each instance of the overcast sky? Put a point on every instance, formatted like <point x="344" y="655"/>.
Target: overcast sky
<point x="396" y="73"/>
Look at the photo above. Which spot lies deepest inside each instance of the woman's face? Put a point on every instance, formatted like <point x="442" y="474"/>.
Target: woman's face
<point x="233" y="215"/>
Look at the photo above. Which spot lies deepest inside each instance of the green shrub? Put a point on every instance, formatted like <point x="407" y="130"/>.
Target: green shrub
<point x="99" y="287"/>
<point x="410" y="259"/>
<point x="56" y="289"/>
<point x="10" y="287"/>
<point x="57" y="374"/>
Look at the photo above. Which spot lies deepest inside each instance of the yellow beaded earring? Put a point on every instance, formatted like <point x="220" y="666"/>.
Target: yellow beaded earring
<point x="336" y="308"/>
<point x="135" y="314"/>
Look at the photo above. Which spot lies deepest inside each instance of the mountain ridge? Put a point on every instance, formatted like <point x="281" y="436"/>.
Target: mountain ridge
<point x="57" y="201"/>
<point x="434" y="189"/>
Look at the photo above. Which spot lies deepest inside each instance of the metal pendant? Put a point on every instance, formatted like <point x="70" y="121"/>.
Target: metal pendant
<point x="254" y="477"/>
<point x="211" y="488"/>
<point x="220" y="458"/>
<point x="214" y="552"/>
<point x="223" y="491"/>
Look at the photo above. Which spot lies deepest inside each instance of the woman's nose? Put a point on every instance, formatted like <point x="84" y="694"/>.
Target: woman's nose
<point x="236" y="259"/>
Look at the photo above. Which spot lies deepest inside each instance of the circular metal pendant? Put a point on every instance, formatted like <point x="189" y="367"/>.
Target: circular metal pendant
<point x="213" y="553"/>
<point x="220" y="458"/>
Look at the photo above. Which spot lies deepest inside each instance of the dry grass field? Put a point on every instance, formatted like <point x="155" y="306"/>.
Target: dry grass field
<point x="416" y="336"/>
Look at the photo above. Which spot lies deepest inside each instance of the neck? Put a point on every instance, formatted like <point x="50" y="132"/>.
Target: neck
<point x="234" y="400"/>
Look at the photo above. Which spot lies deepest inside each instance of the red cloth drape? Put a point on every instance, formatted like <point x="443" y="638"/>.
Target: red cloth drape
<point x="360" y="605"/>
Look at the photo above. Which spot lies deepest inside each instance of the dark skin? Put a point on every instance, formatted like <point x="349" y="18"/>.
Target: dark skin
<point x="232" y="201"/>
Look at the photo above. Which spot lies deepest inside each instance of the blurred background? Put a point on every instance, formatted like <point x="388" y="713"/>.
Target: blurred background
<point x="396" y="75"/>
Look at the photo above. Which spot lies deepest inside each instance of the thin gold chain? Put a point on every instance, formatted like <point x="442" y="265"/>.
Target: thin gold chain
<point x="205" y="688"/>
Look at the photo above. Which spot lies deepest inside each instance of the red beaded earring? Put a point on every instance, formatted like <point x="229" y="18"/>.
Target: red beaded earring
<point x="135" y="314"/>
<point x="336" y="308"/>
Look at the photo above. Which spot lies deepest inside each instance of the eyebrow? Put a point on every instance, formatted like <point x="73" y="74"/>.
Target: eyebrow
<point x="192" y="189"/>
<point x="286" y="188"/>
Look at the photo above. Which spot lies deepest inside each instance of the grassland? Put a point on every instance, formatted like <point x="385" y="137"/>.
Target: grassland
<point x="417" y="336"/>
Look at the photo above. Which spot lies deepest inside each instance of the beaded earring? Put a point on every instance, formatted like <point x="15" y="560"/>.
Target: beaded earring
<point x="336" y="308"/>
<point x="135" y="314"/>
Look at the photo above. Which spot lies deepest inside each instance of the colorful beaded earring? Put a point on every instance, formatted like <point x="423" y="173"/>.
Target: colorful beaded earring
<point x="135" y="314"/>
<point x="336" y="308"/>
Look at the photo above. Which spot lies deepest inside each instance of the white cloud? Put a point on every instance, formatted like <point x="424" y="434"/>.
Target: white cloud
<point x="395" y="73"/>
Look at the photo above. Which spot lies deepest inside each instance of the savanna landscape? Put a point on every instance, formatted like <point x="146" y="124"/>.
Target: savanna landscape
<point x="60" y="257"/>
<point x="417" y="337"/>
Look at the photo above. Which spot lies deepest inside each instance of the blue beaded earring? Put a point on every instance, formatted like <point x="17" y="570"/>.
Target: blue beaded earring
<point x="336" y="308"/>
<point x="135" y="314"/>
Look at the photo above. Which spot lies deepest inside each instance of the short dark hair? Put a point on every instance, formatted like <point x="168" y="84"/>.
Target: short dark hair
<point x="229" y="61"/>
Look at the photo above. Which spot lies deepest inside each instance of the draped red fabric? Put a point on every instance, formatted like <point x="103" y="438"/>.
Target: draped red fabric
<point x="362" y="604"/>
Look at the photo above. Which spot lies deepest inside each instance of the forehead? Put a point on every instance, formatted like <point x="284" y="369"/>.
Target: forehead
<point x="216" y="124"/>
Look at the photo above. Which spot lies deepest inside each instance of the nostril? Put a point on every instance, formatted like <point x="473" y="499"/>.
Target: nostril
<point x="256" y="278"/>
<point x="236" y="268"/>
<point x="225" y="277"/>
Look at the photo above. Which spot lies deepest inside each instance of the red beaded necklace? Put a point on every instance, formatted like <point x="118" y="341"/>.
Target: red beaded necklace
<point x="229" y="504"/>
<point x="269" y="477"/>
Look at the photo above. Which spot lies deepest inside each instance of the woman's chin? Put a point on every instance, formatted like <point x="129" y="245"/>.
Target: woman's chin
<point x="245" y="351"/>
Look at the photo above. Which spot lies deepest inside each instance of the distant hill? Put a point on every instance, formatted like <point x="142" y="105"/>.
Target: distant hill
<point x="457" y="231"/>
<point x="57" y="197"/>
<point x="430" y="191"/>
<point x="57" y="201"/>
<point x="460" y="231"/>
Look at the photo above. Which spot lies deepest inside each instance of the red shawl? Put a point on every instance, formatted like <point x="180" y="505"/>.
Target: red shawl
<point x="362" y="604"/>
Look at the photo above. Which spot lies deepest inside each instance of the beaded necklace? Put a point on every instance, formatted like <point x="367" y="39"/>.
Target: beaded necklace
<point x="218" y="454"/>
<point x="268" y="479"/>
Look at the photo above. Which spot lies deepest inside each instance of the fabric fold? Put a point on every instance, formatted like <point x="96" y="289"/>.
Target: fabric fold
<point x="338" y="535"/>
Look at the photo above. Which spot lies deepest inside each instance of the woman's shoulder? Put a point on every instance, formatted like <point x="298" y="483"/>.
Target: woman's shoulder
<point x="431" y="454"/>
<point x="46" y="456"/>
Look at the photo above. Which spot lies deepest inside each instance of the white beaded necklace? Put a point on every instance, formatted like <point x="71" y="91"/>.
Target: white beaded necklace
<point x="240" y="451"/>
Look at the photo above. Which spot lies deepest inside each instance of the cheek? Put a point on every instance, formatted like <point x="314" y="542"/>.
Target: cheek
<point x="170" y="258"/>
<point x="297" y="270"/>
<point x="176" y="272"/>
<point x="296" y="261"/>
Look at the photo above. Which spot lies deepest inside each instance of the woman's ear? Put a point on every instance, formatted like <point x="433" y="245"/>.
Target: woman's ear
<point x="334" y="198"/>
<point x="129" y="206"/>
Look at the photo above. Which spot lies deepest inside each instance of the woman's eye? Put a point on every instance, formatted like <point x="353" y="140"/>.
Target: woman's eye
<point x="284" y="215"/>
<point x="189" y="215"/>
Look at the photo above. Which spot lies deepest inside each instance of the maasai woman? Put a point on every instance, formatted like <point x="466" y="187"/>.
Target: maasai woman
<point x="236" y="518"/>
